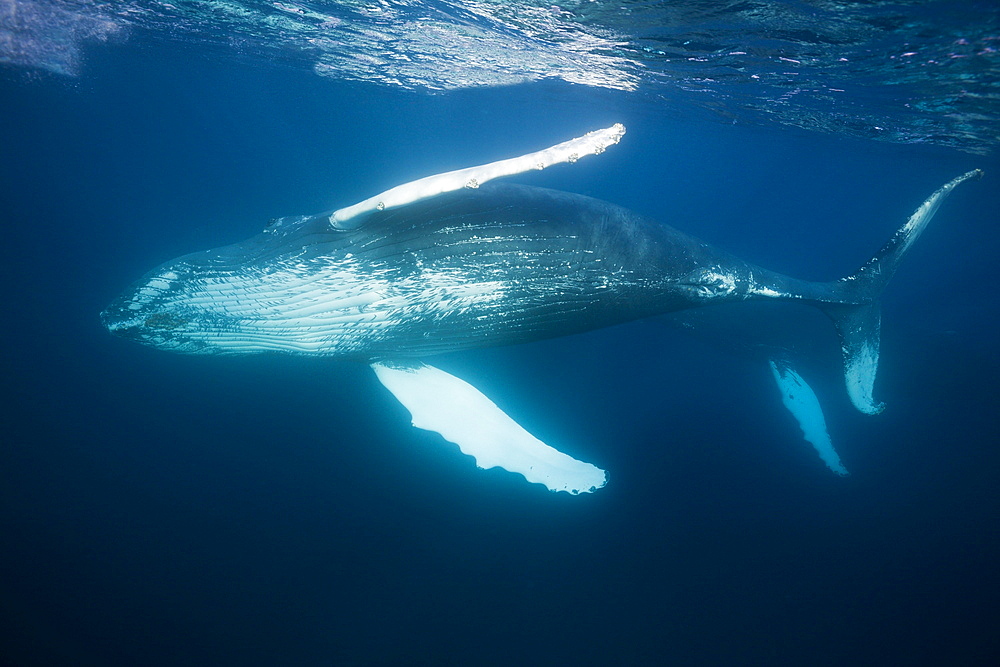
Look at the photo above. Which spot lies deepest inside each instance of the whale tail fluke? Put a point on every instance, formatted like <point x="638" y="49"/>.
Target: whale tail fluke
<point x="859" y="329"/>
<point x="857" y="315"/>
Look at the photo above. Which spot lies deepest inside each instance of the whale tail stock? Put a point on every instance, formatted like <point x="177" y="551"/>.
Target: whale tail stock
<point x="855" y="307"/>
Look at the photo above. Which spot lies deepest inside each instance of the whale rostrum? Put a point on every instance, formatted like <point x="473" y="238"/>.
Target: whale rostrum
<point x="450" y="262"/>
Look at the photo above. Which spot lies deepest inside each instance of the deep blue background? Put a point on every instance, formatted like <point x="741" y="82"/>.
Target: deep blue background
<point x="160" y="509"/>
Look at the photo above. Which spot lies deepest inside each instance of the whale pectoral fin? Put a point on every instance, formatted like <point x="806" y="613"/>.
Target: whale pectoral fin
<point x="801" y="401"/>
<point x="592" y="143"/>
<point x="459" y="412"/>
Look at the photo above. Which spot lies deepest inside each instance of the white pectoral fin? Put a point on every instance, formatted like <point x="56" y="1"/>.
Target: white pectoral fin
<point x="458" y="411"/>
<point x="801" y="401"/>
<point x="592" y="143"/>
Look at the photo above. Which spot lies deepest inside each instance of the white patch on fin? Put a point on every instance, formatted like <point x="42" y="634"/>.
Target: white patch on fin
<point x="458" y="411"/>
<point x="592" y="143"/>
<point x="801" y="401"/>
<point x="859" y="374"/>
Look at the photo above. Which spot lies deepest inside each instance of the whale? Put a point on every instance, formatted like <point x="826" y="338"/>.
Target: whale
<point x="453" y="262"/>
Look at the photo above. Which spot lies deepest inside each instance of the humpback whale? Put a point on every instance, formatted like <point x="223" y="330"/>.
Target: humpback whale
<point x="451" y="262"/>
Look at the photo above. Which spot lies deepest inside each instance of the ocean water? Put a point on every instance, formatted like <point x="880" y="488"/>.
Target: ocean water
<point x="169" y="509"/>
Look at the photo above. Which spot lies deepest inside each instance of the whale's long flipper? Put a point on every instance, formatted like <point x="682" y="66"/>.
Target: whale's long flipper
<point x="857" y="316"/>
<point x="458" y="411"/>
<point x="592" y="143"/>
<point x="801" y="401"/>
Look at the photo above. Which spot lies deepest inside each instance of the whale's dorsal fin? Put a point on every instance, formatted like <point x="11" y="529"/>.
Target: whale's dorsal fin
<point x="458" y="411"/>
<point x="592" y="143"/>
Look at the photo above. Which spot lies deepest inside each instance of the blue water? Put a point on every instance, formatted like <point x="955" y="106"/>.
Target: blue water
<point x="164" y="509"/>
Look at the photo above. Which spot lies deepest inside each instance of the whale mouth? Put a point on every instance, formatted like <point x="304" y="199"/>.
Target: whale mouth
<point x="142" y="312"/>
<point x="122" y="322"/>
<point x="111" y="317"/>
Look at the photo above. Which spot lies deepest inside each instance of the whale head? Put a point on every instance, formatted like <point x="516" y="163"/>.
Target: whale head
<point x="296" y="287"/>
<point x="155" y="311"/>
